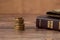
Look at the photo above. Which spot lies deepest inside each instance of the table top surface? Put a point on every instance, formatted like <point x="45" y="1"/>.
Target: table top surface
<point x="29" y="34"/>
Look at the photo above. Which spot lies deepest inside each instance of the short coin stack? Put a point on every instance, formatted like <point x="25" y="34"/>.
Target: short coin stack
<point x="19" y="24"/>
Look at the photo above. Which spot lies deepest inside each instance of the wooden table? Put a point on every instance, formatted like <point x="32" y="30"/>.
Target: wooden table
<point x="29" y="34"/>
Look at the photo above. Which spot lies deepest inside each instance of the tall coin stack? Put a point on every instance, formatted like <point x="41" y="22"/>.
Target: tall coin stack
<point x="50" y="21"/>
<point x="20" y="24"/>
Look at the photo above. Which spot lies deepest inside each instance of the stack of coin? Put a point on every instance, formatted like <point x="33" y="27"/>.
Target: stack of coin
<point x="19" y="24"/>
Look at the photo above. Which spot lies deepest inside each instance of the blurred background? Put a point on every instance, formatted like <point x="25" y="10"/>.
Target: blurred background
<point x="28" y="9"/>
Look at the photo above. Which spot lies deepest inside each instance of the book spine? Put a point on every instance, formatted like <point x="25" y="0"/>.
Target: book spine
<point x="37" y="23"/>
<point x="43" y="23"/>
<point x="56" y="25"/>
<point x="48" y="24"/>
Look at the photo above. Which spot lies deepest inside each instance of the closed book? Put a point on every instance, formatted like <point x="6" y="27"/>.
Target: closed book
<point x="47" y="23"/>
<point x="53" y="14"/>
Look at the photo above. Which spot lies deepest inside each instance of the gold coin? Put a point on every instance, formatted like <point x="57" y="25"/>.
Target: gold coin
<point x="16" y="27"/>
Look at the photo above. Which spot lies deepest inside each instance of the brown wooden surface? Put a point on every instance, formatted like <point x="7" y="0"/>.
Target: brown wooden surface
<point x="28" y="6"/>
<point x="7" y="31"/>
